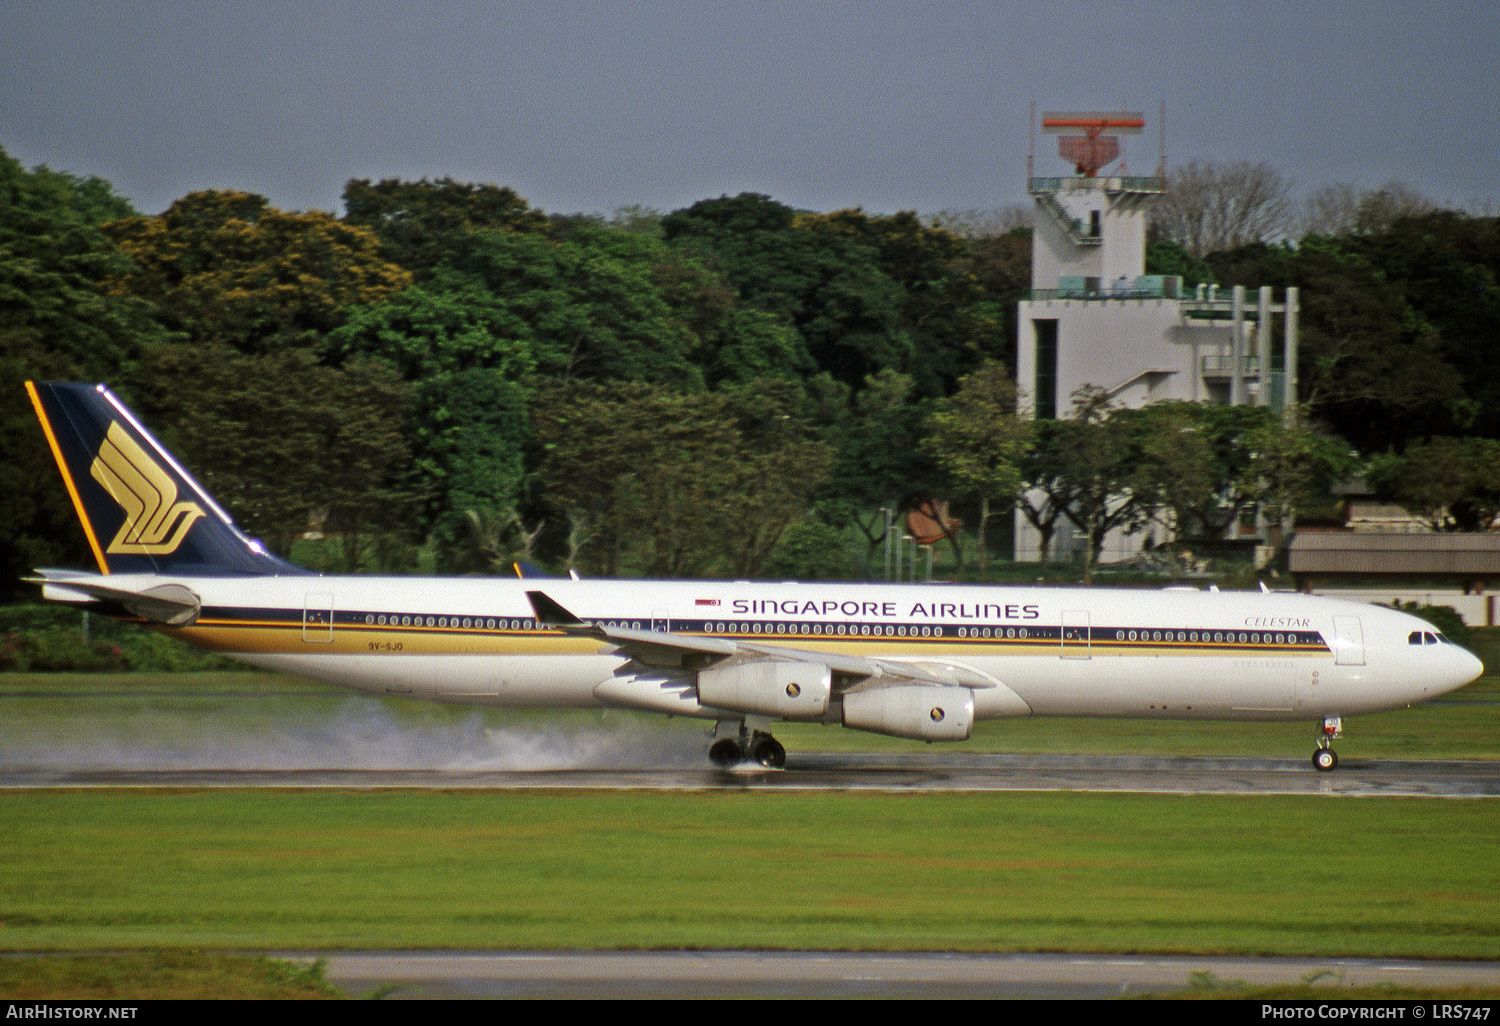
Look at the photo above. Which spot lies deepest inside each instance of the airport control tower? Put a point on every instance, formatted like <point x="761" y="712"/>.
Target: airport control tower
<point x="1090" y="229"/>
<point x="1094" y="317"/>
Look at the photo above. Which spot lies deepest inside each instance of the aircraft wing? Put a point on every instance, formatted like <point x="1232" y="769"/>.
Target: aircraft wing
<point x="669" y="650"/>
<point x="924" y="699"/>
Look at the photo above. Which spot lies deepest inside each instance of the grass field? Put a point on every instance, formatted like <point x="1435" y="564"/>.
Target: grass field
<point x="167" y="975"/>
<point x="82" y="870"/>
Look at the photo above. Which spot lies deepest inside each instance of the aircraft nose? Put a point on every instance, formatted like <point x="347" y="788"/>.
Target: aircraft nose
<point x="1466" y="667"/>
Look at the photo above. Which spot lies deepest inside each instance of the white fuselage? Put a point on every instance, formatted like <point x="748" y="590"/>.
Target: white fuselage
<point x="1038" y="651"/>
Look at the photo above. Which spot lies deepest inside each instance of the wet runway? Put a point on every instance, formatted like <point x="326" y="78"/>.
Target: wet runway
<point x="891" y="772"/>
<point x="251" y="733"/>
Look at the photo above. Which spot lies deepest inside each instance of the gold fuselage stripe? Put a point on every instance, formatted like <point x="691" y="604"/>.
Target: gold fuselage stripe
<point x="248" y="633"/>
<point x="62" y="465"/>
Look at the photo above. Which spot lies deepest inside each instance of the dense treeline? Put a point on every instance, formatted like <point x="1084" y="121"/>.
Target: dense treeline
<point x="448" y="378"/>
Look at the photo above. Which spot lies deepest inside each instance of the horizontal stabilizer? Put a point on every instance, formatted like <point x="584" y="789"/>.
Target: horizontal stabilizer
<point x="172" y="605"/>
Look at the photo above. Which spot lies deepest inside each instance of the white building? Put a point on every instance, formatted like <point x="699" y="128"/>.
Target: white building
<point x="1094" y="317"/>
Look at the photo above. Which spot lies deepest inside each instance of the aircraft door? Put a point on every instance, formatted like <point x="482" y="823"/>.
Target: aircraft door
<point x="317" y="618"/>
<point x="1076" y="634"/>
<point x="1348" y="641"/>
<point x="661" y="621"/>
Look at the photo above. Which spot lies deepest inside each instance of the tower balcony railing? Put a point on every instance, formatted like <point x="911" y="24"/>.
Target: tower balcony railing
<point x="1216" y="302"/>
<point x="1147" y="286"/>
<point x="1223" y="367"/>
<point x="1126" y="184"/>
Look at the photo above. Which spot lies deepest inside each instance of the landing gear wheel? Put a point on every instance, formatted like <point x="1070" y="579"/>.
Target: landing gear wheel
<point x="767" y="751"/>
<point x="1329" y="731"/>
<point x="752" y="746"/>
<point x="725" y="752"/>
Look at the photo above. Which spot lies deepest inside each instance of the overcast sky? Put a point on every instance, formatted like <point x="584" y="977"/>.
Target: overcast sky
<point x="589" y="106"/>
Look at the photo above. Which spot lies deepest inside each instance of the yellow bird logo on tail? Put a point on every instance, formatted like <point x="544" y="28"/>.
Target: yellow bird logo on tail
<point x="155" y="522"/>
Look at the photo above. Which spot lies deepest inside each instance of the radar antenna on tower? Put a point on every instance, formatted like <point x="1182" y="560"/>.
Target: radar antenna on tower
<point x="1083" y="140"/>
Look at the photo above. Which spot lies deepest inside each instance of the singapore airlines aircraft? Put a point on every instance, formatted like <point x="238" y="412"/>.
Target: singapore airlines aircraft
<point x="919" y="662"/>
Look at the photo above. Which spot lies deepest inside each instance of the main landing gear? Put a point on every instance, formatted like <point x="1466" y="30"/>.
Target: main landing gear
<point x="753" y="746"/>
<point x="1324" y="757"/>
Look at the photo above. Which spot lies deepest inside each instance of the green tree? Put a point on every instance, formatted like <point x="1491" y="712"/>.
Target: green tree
<point x="1044" y="485"/>
<point x="290" y="446"/>
<point x="691" y="483"/>
<point x="1174" y="472"/>
<point x="58" y="320"/>
<point x="471" y="431"/>
<point x="465" y="354"/>
<point x="590" y="302"/>
<point x="1445" y="265"/>
<point x="866" y="293"/>
<point x="1210" y="465"/>
<point x="418" y="223"/>
<point x="227" y="268"/>
<point x="947" y="307"/>
<point x="1199" y="465"/>
<point x="755" y="345"/>
<point x="1087" y="466"/>
<point x="1002" y="264"/>
<point x="445" y="326"/>
<point x="92" y="200"/>
<point x="1194" y="468"/>
<point x="1369" y="366"/>
<point x="1292" y="466"/>
<point x="878" y="459"/>
<point x="782" y="461"/>
<point x="976" y="438"/>
<point x="1166" y="257"/>
<point x="1451" y="483"/>
<point x="813" y="274"/>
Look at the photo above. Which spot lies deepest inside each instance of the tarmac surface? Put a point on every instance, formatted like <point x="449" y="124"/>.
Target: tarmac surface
<point x="703" y="974"/>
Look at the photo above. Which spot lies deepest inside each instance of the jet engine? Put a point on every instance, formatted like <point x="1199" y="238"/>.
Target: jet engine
<point x="783" y="689"/>
<point x="921" y="712"/>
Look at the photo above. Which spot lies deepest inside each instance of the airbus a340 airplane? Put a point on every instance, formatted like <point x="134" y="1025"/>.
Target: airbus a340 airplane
<point x="919" y="662"/>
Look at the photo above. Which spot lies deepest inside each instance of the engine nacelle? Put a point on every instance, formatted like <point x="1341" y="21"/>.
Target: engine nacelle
<point x="922" y="712"/>
<point x="786" y="690"/>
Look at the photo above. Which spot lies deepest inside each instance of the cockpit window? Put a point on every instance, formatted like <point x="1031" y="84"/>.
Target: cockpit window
<point x="1425" y="638"/>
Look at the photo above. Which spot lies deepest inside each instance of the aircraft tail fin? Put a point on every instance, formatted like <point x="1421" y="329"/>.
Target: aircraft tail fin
<point x="141" y="510"/>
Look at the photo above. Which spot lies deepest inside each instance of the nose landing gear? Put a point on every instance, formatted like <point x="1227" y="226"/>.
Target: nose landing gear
<point x="1330" y="730"/>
